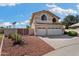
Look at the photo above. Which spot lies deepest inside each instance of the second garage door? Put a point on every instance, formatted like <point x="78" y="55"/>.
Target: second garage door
<point x="54" y="32"/>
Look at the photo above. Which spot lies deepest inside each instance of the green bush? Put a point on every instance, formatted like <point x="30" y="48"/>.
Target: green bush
<point x="72" y="33"/>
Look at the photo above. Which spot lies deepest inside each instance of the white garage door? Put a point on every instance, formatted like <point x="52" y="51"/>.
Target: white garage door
<point x="41" y="32"/>
<point x="54" y="31"/>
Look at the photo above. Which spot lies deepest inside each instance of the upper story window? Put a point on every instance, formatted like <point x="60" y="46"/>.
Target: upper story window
<point x="54" y="20"/>
<point x="43" y="17"/>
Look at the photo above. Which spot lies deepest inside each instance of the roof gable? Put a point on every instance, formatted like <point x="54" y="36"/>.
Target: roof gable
<point x="43" y="12"/>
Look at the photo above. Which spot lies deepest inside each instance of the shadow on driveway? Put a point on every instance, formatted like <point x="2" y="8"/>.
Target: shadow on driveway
<point x="60" y="36"/>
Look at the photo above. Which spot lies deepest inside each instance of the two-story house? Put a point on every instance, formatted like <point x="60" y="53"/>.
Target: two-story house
<point x="45" y="23"/>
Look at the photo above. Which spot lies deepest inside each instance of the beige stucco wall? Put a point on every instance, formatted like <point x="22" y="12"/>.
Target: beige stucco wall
<point x="37" y="18"/>
<point x="33" y="25"/>
<point x="49" y="26"/>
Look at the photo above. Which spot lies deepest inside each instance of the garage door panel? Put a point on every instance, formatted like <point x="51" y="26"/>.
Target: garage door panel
<point x="54" y="31"/>
<point x="41" y="32"/>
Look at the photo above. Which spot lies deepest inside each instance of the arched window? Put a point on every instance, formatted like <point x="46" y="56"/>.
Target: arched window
<point x="53" y="20"/>
<point x="43" y="17"/>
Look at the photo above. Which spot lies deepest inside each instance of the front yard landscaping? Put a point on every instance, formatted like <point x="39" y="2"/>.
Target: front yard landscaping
<point x="33" y="46"/>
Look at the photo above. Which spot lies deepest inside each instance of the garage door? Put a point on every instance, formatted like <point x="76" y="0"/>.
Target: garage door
<point x="41" y="32"/>
<point x="54" y="31"/>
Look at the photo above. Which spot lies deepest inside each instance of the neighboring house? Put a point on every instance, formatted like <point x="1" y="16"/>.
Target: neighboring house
<point x="74" y="25"/>
<point x="45" y="23"/>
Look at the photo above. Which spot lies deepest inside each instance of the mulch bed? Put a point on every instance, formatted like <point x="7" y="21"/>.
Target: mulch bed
<point x="33" y="46"/>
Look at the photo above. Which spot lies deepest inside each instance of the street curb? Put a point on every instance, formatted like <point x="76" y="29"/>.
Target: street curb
<point x="1" y="45"/>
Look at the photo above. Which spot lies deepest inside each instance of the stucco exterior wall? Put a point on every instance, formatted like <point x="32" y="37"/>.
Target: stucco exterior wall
<point x="37" y="18"/>
<point x="48" y="26"/>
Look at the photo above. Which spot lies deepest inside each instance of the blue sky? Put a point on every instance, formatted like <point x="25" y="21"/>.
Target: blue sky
<point x="22" y="12"/>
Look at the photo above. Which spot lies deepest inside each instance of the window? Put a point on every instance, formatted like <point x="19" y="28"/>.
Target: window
<point x="53" y="20"/>
<point x="43" y="17"/>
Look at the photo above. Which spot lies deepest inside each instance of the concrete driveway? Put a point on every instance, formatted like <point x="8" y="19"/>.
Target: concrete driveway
<point x="72" y="50"/>
<point x="64" y="46"/>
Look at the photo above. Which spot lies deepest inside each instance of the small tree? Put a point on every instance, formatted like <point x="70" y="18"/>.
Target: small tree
<point x="69" y="20"/>
<point x="1" y="27"/>
<point x="77" y="18"/>
<point x="9" y="26"/>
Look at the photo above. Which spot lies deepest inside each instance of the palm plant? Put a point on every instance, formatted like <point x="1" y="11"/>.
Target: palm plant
<point x="13" y="24"/>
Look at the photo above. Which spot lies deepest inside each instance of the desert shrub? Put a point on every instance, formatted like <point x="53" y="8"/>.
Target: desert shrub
<point x="16" y="38"/>
<point x="72" y="33"/>
<point x="12" y="36"/>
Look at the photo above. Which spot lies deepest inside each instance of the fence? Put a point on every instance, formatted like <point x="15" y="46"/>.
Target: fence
<point x="21" y="31"/>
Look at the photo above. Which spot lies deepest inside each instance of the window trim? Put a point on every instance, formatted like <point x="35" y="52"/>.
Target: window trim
<point x="42" y="17"/>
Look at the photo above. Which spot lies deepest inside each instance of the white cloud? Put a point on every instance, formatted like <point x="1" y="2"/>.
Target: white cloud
<point x="23" y="22"/>
<point x="18" y="23"/>
<point x="70" y="11"/>
<point x="60" y="20"/>
<point x="27" y="21"/>
<point x="1" y="24"/>
<point x="56" y="9"/>
<point x="77" y="6"/>
<point x="5" y="24"/>
<point x="51" y="5"/>
<point x="7" y="4"/>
